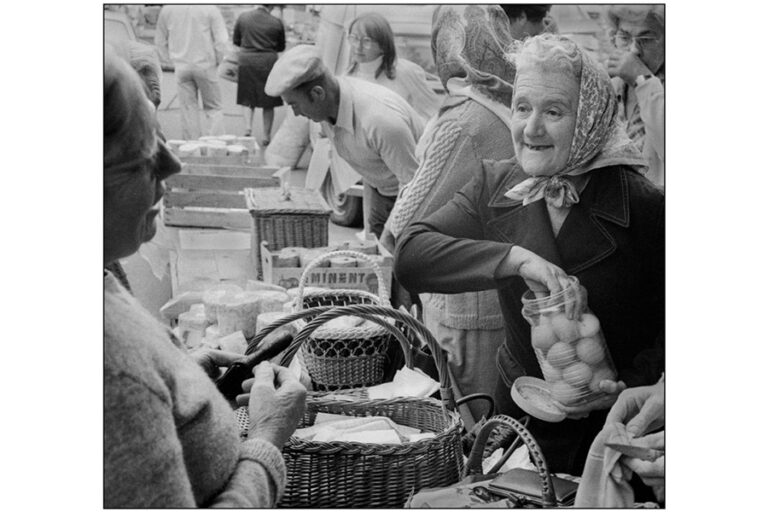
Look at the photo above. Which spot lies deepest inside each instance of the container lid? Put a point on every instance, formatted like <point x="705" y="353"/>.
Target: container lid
<point x="273" y="200"/>
<point x="534" y="396"/>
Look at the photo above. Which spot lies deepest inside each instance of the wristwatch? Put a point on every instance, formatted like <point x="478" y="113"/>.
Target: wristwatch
<point x="642" y="78"/>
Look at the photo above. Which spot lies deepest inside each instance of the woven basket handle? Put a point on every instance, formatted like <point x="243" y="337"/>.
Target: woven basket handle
<point x="375" y="314"/>
<point x="475" y="459"/>
<point x="383" y="295"/>
<point x="254" y="342"/>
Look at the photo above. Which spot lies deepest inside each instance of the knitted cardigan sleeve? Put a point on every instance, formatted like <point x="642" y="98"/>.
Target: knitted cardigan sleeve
<point x="257" y="480"/>
<point x="439" y="147"/>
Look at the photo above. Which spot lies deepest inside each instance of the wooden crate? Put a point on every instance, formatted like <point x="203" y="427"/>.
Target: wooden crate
<point x="242" y="159"/>
<point x="211" y="195"/>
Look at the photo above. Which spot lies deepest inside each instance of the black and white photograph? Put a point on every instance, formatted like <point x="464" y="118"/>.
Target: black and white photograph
<point x="384" y="256"/>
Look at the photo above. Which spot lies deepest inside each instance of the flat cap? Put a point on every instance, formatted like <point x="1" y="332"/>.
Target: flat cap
<point x="298" y="65"/>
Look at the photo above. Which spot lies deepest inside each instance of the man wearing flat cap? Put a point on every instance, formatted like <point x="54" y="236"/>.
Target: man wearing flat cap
<point x="372" y="128"/>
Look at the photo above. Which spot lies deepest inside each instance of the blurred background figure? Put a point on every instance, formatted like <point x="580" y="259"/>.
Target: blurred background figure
<point x="468" y="44"/>
<point x="143" y="59"/>
<point x="195" y="39"/>
<point x="637" y="68"/>
<point x="528" y="20"/>
<point x="259" y="35"/>
<point x="374" y="58"/>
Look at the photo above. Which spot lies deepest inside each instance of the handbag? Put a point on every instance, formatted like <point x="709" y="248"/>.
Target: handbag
<point x="228" y="69"/>
<point x="514" y="489"/>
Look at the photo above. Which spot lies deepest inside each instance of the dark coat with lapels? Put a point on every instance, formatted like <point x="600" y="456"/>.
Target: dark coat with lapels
<point x="612" y="240"/>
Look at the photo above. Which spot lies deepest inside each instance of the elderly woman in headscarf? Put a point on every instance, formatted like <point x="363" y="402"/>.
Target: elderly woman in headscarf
<point x="468" y="46"/>
<point x="170" y="438"/>
<point x="571" y="203"/>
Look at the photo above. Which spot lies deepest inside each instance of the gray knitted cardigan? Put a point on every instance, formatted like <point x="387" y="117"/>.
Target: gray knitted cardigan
<point x="170" y="438"/>
<point x="464" y="133"/>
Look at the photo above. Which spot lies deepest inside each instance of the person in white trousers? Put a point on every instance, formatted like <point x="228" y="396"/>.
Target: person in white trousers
<point x="195" y="39"/>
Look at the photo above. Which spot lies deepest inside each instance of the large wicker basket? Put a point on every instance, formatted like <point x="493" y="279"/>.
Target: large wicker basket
<point x="344" y="358"/>
<point x="366" y="475"/>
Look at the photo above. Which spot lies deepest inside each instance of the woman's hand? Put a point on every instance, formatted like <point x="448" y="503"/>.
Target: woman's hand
<point x="611" y="388"/>
<point x="641" y="409"/>
<point x="651" y="472"/>
<point x="543" y="277"/>
<point x="276" y="401"/>
<point x="211" y="360"/>
<point x="627" y="66"/>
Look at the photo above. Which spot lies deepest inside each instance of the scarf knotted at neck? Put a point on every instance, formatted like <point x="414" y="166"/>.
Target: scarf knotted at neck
<point x="598" y="141"/>
<point x="559" y="191"/>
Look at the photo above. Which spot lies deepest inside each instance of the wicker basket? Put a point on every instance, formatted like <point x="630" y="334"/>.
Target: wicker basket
<point x="286" y="217"/>
<point x="344" y="358"/>
<point x="366" y="475"/>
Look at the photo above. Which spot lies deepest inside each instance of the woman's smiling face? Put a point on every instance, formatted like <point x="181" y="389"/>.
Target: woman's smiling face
<point x="544" y="109"/>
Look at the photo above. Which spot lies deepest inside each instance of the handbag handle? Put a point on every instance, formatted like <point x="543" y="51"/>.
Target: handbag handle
<point x="375" y="314"/>
<point x="254" y="342"/>
<point x="383" y="294"/>
<point x="229" y="384"/>
<point x="479" y="396"/>
<point x="474" y="462"/>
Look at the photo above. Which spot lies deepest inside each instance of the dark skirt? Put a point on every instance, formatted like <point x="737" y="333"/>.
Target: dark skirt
<point x="254" y="68"/>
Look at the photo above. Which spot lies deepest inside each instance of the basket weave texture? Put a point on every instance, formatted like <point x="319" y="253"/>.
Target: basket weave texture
<point x="299" y="219"/>
<point x="368" y="475"/>
<point x="344" y="358"/>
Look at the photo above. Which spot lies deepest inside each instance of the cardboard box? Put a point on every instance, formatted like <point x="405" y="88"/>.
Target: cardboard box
<point x="354" y="278"/>
<point x="204" y="258"/>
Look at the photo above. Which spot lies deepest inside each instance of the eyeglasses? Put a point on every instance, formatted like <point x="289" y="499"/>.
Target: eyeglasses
<point x="623" y="40"/>
<point x="161" y="163"/>
<point x="354" y="40"/>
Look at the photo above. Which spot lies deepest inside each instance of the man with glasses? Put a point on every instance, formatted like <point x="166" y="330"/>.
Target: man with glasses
<point x="637" y="32"/>
<point x="371" y="127"/>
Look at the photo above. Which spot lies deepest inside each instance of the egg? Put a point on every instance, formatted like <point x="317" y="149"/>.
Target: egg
<point x="578" y="374"/>
<point x="590" y="350"/>
<point x="561" y="355"/>
<point x="564" y="392"/>
<point x="566" y="330"/>
<point x="589" y="325"/>
<point x="542" y="335"/>
<point x="551" y="374"/>
<point x="600" y="375"/>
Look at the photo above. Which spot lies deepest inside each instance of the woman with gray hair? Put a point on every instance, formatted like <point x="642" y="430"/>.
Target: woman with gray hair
<point x="570" y="203"/>
<point x="170" y="437"/>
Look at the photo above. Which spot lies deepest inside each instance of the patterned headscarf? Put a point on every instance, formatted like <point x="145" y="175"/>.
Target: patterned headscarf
<point x="598" y="139"/>
<point x="470" y="42"/>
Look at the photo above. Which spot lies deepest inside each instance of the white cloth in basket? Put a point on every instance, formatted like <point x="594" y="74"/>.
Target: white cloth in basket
<point x="406" y="383"/>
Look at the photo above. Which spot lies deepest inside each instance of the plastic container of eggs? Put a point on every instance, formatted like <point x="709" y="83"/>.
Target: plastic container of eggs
<point x="572" y="354"/>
